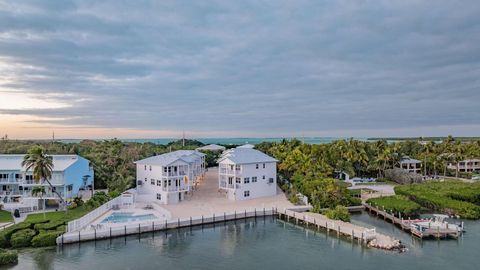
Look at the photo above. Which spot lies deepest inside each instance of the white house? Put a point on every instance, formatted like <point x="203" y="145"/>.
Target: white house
<point x="70" y="174"/>
<point x="411" y="165"/>
<point x="167" y="178"/>
<point x="468" y="165"/>
<point x="246" y="173"/>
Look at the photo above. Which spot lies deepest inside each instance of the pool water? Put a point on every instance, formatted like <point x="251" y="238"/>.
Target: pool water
<point x="123" y="217"/>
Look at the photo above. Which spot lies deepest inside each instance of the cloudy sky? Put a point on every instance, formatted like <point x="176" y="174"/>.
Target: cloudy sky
<point x="90" y="69"/>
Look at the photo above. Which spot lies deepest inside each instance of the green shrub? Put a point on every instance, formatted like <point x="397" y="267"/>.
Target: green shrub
<point x="46" y="238"/>
<point x="7" y="233"/>
<point x="49" y="225"/>
<point x="338" y="213"/>
<point x="78" y="201"/>
<point x="396" y="204"/>
<point x="22" y="238"/>
<point x="8" y="257"/>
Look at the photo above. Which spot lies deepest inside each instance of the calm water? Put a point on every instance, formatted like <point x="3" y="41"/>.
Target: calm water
<point x="264" y="244"/>
<point x="227" y="141"/>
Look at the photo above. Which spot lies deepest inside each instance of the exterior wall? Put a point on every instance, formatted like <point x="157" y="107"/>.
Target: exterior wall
<point x="170" y="187"/>
<point x="73" y="176"/>
<point x="265" y="185"/>
<point x="411" y="167"/>
<point x="466" y="166"/>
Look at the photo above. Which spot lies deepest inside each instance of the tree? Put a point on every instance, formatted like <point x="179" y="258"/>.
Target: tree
<point x="40" y="192"/>
<point x="41" y="166"/>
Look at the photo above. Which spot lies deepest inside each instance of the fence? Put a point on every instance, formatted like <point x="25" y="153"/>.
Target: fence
<point x="150" y="226"/>
<point x="78" y="224"/>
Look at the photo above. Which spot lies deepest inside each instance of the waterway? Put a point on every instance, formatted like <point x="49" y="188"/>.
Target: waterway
<point x="258" y="244"/>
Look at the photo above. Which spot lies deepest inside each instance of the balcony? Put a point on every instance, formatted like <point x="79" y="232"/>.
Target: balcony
<point x="175" y="189"/>
<point x="224" y="184"/>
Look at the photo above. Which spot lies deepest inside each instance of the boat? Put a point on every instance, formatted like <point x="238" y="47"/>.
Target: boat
<point x="436" y="227"/>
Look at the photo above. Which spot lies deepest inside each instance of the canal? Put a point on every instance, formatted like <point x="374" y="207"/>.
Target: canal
<point x="258" y="244"/>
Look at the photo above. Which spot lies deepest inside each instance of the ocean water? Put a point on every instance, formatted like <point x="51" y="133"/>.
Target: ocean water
<point x="262" y="243"/>
<point x="228" y="141"/>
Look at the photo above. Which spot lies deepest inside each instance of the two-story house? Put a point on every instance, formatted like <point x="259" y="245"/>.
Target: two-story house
<point x="70" y="174"/>
<point x="246" y="173"/>
<point x="167" y="178"/>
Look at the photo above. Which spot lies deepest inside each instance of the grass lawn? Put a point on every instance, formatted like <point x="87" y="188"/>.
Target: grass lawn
<point x="5" y="216"/>
<point x="59" y="215"/>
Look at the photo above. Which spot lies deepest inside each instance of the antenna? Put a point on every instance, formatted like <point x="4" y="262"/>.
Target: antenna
<point x="183" y="138"/>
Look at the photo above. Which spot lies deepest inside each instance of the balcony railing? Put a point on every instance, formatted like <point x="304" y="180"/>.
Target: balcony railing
<point x="224" y="184"/>
<point x="175" y="189"/>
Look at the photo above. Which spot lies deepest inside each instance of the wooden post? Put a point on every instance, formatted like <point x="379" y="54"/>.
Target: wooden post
<point x="190" y="221"/>
<point x="178" y="223"/>
<point x="79" y="236"/>
<point x="95" y="234"/>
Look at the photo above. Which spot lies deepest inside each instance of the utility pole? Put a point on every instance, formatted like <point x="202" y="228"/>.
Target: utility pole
<point x="183" y="139"/>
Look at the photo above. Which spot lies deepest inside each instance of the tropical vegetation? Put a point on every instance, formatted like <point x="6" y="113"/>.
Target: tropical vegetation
<point x="396" y="204"/>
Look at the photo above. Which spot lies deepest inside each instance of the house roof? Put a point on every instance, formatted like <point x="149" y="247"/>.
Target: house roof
<point x="245" y="156"/>
<point x="407" y="159"/>
<point x="212" y="147"/>
<point x="248" y="146"/>
<point x="14" y="162"/>
<point x="188" y="156"/>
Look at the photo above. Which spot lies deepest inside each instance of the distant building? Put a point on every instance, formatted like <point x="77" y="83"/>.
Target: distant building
<point x="246" y="173"/>
<point x="167" y="178"/>
<point x="248" y="146"/>
<point x="71" y="173"/>
<point x="411" y="165"/>
<point x="468" y="165"/>
<point x="211" y="147"/>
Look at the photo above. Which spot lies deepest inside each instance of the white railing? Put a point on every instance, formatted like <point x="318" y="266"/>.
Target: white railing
<point x="79" y="223"/>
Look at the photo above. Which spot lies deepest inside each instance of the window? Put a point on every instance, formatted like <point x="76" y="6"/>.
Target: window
<point x="159" y="196"/>
<point x="270" y="180"/>
<point x="152" y="181"/>
<point x="150" y="168"/>
<point x="29" y="177"/>
<point x="238" y="180"/>
<point x="246" y="180"/>
<point x="169" y="182"/>
<point x="159" y="183"/>
<point x="69" y="187"/>
<point x="145" y="167"/>
<point x="237" y="167"/>
<point x="264" y="165"/>
<point x="263" y="177"/>
<point x="246" y="193"/>
<point x="256" y="166"/>
<point x="165" y="169"/>
<point x="254" y="179"/>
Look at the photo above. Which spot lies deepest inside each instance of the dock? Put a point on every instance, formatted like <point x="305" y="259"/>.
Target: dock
<point x="363" y="235"/>
<point x="405" y="225"/>
<point x="348" y="230"/>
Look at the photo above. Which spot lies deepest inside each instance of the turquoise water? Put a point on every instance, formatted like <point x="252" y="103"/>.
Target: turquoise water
<point x="227" y="141"/>
<point x="266" y="244"/>
<point x="122" y="217"/>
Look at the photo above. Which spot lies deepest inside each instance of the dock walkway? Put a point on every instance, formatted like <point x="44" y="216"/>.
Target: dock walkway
<point x="404" y="224"/>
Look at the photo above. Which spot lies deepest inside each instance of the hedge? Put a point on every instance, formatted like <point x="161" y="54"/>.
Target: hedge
<point x="22" y="238"/>
<point x="49" y="225"/>
<point x="7" y="233"/>
<point x="46" y="238"/>
<point x="8" y="256"/>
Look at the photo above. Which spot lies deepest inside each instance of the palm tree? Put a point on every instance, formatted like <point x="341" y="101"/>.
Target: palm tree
<point x="42" y="166"/>
<point x="40" y="192"/>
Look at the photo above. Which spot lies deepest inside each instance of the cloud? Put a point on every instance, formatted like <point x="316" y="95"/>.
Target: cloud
<point x="267" y="67"/>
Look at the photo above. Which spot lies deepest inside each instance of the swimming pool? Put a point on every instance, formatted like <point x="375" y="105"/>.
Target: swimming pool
<point x="122" y="217"/>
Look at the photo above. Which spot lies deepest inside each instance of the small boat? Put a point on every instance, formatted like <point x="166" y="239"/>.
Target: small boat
<point x="436" y="227"/>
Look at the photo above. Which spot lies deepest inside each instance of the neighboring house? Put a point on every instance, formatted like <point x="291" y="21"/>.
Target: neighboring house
<point x="71" y="173"/>
<point x="469" y="165"/>
<point x="211" y="147"/>
<point x="411" y="165"/>
<point x="246" y="173"/>
<point x="167" y="178"/>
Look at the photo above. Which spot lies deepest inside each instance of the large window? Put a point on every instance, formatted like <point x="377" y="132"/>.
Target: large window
<point x="246" y="193"/>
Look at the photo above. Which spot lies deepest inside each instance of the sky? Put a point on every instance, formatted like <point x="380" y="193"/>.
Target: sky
<point x="152" y="69"/>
